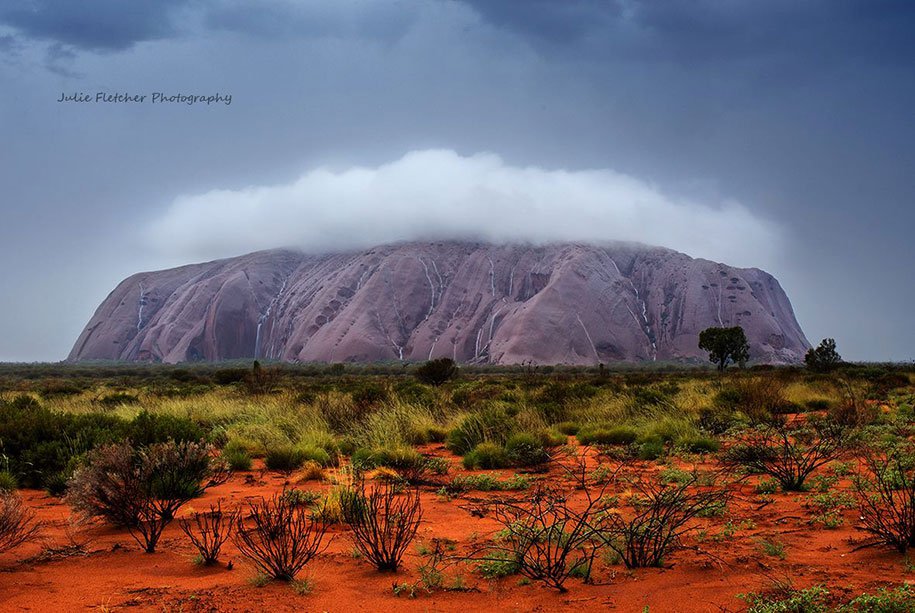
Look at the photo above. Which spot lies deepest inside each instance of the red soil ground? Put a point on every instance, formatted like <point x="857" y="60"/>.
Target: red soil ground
<point x="112" y="573"/>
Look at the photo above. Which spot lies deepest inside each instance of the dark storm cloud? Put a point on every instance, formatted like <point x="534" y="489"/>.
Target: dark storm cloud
<point x="548" y="20"/>
<point x="96" y="25"/>
<point x="711" y="30"/>
<point x="796" y="112"/>
<point x="310" y="19"/>
<point x="117" y="25"/>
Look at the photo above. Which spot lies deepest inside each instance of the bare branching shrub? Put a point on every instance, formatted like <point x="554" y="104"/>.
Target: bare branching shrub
<point x="547" y="536"/>
<point x="142" y="488"/>
<point x="788" y="454"/>
<point x="661" y="516"/>
<point x="17" y="523"/>
<point x="208" y="531"/>
<point x="279" y="536"/>
<point x="886" y="496"/>
<point x="384" y="519"/>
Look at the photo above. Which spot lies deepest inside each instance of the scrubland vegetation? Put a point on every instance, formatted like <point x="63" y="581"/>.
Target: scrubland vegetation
<point x="576" y="475"/>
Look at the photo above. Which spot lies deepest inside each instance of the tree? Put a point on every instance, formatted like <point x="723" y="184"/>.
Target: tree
<point x="824" y="358"/>
<point x="725" y="345"/>
<point x="436" y="372"/>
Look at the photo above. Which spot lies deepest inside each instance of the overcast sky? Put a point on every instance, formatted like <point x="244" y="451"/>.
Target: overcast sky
<point x="771" y="133"/>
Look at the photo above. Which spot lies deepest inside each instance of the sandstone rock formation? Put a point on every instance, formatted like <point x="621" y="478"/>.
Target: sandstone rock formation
<point x="477" y="303"/>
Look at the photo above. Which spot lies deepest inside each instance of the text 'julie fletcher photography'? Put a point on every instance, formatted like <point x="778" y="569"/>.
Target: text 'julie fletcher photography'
<point x="148" y="98"/>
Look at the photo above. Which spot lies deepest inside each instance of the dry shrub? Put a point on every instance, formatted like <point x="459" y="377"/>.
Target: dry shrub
<point x="662" y="512"/>
<point x="279" y="536"/>
<point x="788" y="454"/>
<point x="384" y="519"/>
<point x="208" y="531"/>
<point x="886" y="496"/>
<point x="17" y="523"/>
<point x="545" y="537"/>
<point x="142" y="488"/>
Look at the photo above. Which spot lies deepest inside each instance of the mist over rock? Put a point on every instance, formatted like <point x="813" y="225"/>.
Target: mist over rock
<point x="566" y="303"/>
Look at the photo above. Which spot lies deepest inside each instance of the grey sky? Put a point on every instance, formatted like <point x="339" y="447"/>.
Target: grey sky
<point x="799" y="112"/>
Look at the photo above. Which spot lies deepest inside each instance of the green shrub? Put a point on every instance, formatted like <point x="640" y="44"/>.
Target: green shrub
<point x="8" y="482"/>
<point x="304" y="498"/>
<point x="228" y="376"/>
<point x="284" y="458"/>
<point x="717" y="419"/>
<point x="371" y="395"/>
<point x="898" y="600"/>
<point x="569" y="428"/>
<point x="651" y="448"/>
<point x="607" y="435"/>
<point x="413" y="392"/>
<point x="40" y="445"/>
<point x="676" y="475"/>
<point x="811" y="600"/>
<point x="526" y="449"/>
<point x="317" y="455"/>
<point x="401" y="457"/>
<point x="437" y="434"/>
<point x="236" y="456"/>
<point x="651" y="396"/>
<point x="669" y="428"/>
<point x="551" y="438"/>
<point x="56" y="484"/>
<point x="500" y="564"/>
<point x="487" y="483"/>
<point x="486" y="456"/>
<point x="411" y="465"/>
<point x="150" y="428"/>
<point x="699" y="444"/>
<point x="818" y="404"/>
<point x="116" y="399"/>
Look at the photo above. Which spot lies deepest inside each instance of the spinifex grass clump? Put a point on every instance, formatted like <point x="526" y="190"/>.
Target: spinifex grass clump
<point x="279" y="536"/>
<point x="208" y="531"/>
<point x="486" y="456"/>
<point x="142" y="488"/>
<point x="600" y="434"/>
<point x="384" y="519"/>
<point x="491" y="424"/>
<point x="284" y="458"/>
<point x="526" y="449"/>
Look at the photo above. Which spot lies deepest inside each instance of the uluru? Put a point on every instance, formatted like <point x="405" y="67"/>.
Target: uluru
<point x="478" y="303"/>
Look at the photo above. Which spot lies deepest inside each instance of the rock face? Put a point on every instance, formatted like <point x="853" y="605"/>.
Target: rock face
<point x="473" y="302"/>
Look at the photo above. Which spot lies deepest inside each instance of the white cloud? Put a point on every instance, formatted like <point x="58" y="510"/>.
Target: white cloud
<point x="438" y="194"/>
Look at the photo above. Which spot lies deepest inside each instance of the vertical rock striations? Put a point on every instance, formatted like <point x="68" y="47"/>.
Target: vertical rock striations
<point x="555" y="304"/>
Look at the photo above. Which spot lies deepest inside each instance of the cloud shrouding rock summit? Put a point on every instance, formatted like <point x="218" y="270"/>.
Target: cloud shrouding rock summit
<point x="439" y="194"/>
